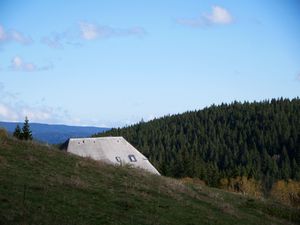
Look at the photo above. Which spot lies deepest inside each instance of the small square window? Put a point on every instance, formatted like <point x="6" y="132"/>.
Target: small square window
<point x="132" y="158"/>
<point x="118" y="159"/>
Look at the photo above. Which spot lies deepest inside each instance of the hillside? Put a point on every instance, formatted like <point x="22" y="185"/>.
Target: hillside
<point x="42" y="185"/>
<point x="259" y="140"/>
<point x="55" y="134"/>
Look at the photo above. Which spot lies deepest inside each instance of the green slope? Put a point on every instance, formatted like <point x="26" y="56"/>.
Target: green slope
<point x="42" y="185"/>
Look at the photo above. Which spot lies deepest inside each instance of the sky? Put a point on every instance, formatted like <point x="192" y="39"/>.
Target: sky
<point x="113" y="63"/>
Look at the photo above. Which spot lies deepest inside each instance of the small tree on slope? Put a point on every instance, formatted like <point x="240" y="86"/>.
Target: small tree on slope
<point x="18" y="133"/>
<point x="27" y="134"/>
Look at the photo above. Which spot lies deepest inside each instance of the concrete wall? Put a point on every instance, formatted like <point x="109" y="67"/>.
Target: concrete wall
<point x="107" y="149"/>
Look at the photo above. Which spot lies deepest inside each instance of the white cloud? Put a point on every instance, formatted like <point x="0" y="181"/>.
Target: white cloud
<point x="20" y="38"/>
<point x="218" y="16"/>
<point x="18" y="111"/>
<point x="13" y="36"/>
<point x="138" y="31"/>
<point x="18" y="64"/>
<point x="298" y="77"/>
<point x="58" y="40"/>
<point x="90" y="31"/>
<point x="52" y="42"/>
<point x="36" y="114"/>
<point x="87" y="32"/>
<point x="13" y="108"/>
<point x="2" y="34"/>
<point x="7" y="114"/>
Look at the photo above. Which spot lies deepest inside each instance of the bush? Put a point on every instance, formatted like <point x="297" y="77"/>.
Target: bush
<point x="243" y="185"/>
<point x="287" y="192"/>
<point x="3" y="134"/>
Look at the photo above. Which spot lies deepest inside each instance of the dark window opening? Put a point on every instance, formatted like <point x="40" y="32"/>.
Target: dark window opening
<point x="118" y="159"/>
<point x="132" y="158"/>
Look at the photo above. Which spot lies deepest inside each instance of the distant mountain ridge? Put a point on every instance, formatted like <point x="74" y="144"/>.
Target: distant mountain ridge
<point x="54" y="134"/>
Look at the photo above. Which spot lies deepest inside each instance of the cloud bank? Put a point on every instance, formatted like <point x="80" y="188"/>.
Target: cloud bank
<point x="58" y="40"/>
<point x="14" y="109"/>
<point x="17" y="112"/>
<point x="85" y="31"/>
<point x="218" y="16"/>
<point x="91" y="31"/>
<point x="14" y="36"/>
<point x="18" y="64"/>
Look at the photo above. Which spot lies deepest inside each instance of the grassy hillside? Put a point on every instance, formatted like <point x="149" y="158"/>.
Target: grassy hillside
<point x="259" y="140"/>
<point x="42" y="185"/>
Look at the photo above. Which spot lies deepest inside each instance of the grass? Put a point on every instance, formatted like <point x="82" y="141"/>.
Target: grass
<point x="42" y="185"/>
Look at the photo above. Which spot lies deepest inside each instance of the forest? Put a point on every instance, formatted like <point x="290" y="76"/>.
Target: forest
<point x="257" y="140"/>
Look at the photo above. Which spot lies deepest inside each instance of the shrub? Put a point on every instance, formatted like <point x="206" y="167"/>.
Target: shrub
<point x="287" y="192"/>
<point x="243" y="185"/>
<point x="3" y="134"/>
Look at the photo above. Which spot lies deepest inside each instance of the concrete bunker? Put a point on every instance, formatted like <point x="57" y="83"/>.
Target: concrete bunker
<point x="113" y="150"/>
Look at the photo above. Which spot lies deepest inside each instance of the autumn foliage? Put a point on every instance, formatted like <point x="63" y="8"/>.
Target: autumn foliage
<point x="247" y="186"/>
<point x="3" y="133"/>
<point x="287" y="192"/>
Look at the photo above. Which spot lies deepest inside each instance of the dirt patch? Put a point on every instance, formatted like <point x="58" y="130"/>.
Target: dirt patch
<point x="228" y="208"/>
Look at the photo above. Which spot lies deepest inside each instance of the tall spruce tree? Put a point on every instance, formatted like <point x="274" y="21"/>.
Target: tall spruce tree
<point x="27" y="134"/>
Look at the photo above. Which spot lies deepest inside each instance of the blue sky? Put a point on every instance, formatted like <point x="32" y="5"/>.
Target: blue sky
<point x="111" y="63"/>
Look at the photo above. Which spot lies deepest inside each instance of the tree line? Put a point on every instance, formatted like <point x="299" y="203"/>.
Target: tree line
<point x="259" y="140"/>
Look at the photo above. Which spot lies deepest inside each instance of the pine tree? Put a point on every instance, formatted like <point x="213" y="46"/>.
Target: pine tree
<point x="17" y="132"/>
<point x="27" y="134"/>
<point x="285" y="165"/>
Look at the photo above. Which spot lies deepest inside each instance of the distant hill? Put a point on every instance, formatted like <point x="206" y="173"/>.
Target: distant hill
<point x="42" y="185"/>
<point x="259" y="140"/>
<point x="54" y="134"/>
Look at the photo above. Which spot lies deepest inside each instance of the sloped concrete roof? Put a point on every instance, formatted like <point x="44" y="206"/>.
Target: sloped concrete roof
<point x="114" y="150"/>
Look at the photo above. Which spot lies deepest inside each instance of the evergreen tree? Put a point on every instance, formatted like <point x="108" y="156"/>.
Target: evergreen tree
<point x="17" y="132"/>
<point x="27" y="134"/>
<point x="285" y="164"/>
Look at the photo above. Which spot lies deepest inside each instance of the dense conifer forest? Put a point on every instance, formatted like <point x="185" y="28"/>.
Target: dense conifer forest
<point x="259" y="140"/>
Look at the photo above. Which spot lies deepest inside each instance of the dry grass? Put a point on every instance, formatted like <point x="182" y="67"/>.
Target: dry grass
<point x="228" y="208"/>
<point x="195" y="181"/>
<point x="3" y="133"/>
<point x="3" y="161"/>
<point x="73" y="181"/>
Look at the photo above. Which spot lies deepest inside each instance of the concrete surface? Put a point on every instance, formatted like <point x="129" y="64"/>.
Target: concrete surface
<point x="114" y="150"/>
